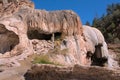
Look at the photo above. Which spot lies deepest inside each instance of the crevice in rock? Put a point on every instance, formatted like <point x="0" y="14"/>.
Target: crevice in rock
<point x="89" y="55"/>
<point x="8" y="39"/>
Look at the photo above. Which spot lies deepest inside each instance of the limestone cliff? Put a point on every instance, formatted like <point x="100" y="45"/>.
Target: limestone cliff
<point x="57" y="34"/>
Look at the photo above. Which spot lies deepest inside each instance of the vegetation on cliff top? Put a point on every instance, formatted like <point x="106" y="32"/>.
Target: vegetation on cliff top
<point x="109" y="23"/>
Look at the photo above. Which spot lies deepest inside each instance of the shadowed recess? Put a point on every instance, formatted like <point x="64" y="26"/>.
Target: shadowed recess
<point x="8" y="39"/>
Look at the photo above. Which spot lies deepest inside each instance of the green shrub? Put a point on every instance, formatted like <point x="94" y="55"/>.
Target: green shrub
<point x="43" y="59"/>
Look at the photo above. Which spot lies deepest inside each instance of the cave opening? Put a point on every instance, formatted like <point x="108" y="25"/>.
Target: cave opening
<point x="97" y="58"/>
<point x="58" y="35"/>
<point x="8" y="39"/>
<point x="35" y="34"/>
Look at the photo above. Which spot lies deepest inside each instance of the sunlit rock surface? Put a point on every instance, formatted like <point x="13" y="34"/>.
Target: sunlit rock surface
<point x="25" y="31"/>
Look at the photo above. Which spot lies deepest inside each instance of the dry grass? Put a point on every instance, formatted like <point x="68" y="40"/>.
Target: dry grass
<point x="57" y="51"/>
<point x="43" y="59"/>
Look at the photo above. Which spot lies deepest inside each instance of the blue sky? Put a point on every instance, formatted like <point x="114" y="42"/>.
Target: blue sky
<point x="86" y="9"/>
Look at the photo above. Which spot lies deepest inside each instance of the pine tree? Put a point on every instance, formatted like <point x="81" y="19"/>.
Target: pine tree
<point x="87" y="23"/>
<point x="109" y="24"/>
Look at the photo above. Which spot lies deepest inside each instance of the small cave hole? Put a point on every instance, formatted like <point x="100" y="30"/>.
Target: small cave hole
<point x="1" y="70"/>
<point x="57" y="35"/>
<point x="89" y="55"/>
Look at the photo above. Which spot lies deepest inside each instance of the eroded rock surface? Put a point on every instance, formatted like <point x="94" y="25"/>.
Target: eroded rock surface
<point x="25" y="31"/>
<point x="59" y="35"/>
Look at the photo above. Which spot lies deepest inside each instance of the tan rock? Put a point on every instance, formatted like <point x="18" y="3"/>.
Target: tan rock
<point x="25" y="30"/>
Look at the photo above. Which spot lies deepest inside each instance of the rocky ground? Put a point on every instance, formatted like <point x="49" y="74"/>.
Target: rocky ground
<point x="51" y="72"/>
<point x="114" y="49"/>
<point x="15" y="73"/>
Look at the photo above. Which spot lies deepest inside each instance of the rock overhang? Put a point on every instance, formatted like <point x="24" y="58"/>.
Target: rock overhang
<point x="8" y="39"/>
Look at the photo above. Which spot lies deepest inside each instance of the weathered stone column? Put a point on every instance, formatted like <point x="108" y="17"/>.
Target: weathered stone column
<point x="53" y="39"/>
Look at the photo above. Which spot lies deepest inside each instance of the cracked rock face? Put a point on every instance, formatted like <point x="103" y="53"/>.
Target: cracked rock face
<point x="25" y="30"/>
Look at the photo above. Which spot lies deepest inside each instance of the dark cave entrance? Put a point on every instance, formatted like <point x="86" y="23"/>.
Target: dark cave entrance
<point x="58" y="35"/>
<point x="97" y="58"/>
<point x="8" y="39"/>
<point x="34" y="34"/>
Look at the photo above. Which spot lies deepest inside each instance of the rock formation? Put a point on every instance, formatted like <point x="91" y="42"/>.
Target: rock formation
<point x="51" y="72"/>
<point x="57" y="34"/>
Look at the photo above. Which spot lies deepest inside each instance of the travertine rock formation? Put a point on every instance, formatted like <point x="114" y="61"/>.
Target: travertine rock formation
<point x="58" y="34"/>
<point x="96" y="45"/>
